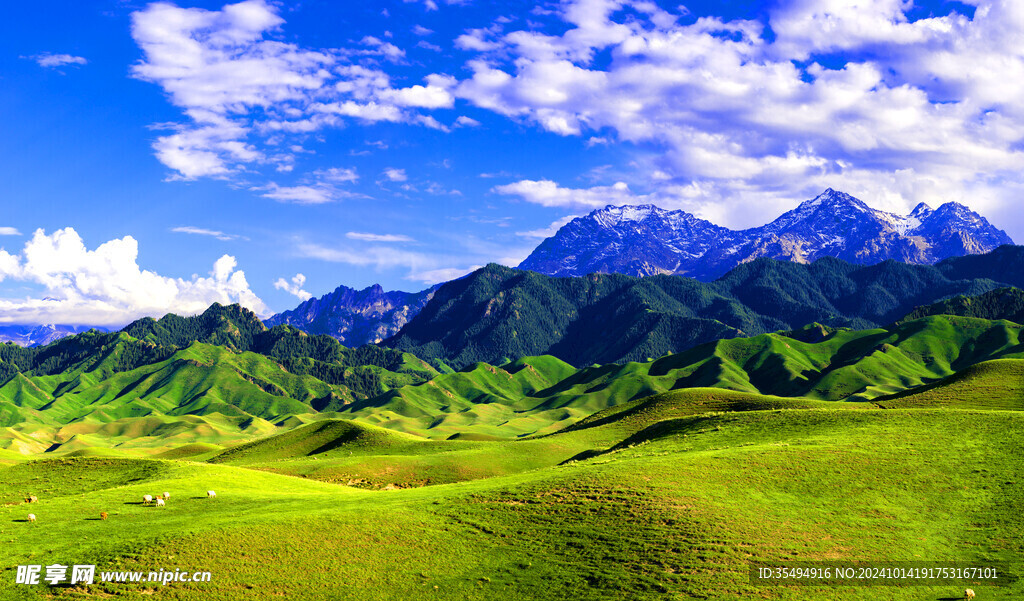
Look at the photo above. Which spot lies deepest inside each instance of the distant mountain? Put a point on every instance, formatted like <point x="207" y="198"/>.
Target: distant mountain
<point x="497" y="313"/>
<point x="1004" y="264"/>
<point x="646" y="240"/>
<point x="29" y="335"/>
<point x="355" y="317"/>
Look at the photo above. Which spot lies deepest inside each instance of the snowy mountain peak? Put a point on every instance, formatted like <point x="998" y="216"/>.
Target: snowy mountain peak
<point x="832" y="198"/>
<point x="626" y="239"/>
<point x="612" y="214"/>
<point x="921" y="212"/>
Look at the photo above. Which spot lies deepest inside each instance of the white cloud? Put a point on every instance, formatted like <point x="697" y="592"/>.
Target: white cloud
<point x="294" y="287"/>
<point x="418" y="267"/>
<point x="549" y="194"/>
<point x="188" y="229"/>
<point x="106" y="286"/>
<point x="368" y="237"/>
<point x="395" y="175"/>
<point x="431" y="5"/>
<point x="53" y="61"/>
<point x="9" y="231"/>
<point x="337" y="174"/>
<point x="421" y="30"/>
<point x="320" y="187"/>
<point x="383" y="48"/>
<point x="445" y="274"/>
<point x="243" y="90"/>
<point x="434" y="95"/>
<point x="480" y="40"/>
<point x="464" y="121"/>
<point x="725" y="110"/>
<point x="547" y="232"/>
<point x="303" y="195"/>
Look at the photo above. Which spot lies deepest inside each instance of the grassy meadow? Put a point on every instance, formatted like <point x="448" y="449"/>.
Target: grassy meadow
<point x="667" y="497"/>
<point x="533" y="479"/>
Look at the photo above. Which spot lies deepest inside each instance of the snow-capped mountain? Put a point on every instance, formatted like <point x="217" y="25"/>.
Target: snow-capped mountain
<point x="28" y="335"/>
<point x="646" y="240"/>
<point x="355" y="317"/>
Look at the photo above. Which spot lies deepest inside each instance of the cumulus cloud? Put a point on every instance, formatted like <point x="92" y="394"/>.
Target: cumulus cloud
<point x="53" y="61"/>
<point x="106" y="286"/>
<point x="9" y="231"/>
<point x="844" y="91"/>
<point x="395" y="175"/>
<point x="294" y="287"/>
<point x="241" y="88"/>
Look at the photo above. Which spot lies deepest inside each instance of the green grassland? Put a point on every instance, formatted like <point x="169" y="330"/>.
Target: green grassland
<point x="212" y="395"/>
<point x="532" y="479"/>
<point x="671" y="496"/>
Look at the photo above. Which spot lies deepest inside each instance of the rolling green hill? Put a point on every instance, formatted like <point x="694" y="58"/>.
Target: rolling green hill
<point x="675" y="495"/>
<point x="213" y="395"/>
<point x="812" y="363"/>
<point x="532" y="478"/>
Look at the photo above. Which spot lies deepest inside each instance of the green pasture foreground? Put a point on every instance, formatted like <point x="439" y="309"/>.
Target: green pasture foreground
<point x="669" y="498"/>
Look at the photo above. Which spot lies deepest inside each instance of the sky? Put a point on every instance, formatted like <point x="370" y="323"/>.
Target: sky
<point x="158" y="157"/>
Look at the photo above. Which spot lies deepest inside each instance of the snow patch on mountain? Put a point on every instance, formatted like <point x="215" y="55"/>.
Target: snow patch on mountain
<point x="646" y="240"/>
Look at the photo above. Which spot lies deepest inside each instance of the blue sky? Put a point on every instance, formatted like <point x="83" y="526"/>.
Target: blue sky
<point x="159" y="157"/>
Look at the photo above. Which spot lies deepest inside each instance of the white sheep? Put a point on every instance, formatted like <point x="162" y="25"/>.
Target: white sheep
<point x="167" y="495"/>
<point x="31" y="499"/>
<point x="31" y="517"/>
<point x="969" y="593"/>
<point x="159" y="502"/>
<point x="211" y="494"/>
<point x="147" y="499"/>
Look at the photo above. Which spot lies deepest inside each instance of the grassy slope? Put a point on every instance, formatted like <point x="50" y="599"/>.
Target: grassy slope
<point x="679" y="493"/>
<point x="821" y="364"/>
<point x="202" y="393"/>
<point x="206" y="394"/>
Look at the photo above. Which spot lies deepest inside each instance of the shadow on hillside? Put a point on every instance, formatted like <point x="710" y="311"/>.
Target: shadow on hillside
<point x="588" y="454"/>
<point x="22" y="521"/>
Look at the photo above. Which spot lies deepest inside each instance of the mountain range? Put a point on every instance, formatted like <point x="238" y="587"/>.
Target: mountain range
<point x="498" y="313"/>
<point x="96" y="390"/>
<point x="646" y="240"/>
<point x="30" y="335"/>
<point x="355" y="317"/>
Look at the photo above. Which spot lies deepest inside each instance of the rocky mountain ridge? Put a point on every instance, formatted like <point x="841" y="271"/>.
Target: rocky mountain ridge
<point x="646" y="240"/>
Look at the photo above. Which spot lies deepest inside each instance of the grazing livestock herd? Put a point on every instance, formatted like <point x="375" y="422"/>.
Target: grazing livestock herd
<point x="157" y="500"/>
